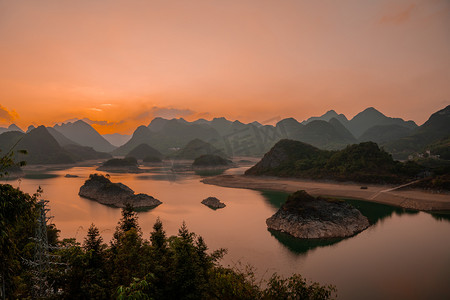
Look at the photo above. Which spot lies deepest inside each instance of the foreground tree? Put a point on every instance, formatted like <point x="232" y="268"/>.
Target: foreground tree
<point x="176" y="267"/>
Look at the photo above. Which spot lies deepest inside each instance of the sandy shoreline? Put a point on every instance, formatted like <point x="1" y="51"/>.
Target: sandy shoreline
<point x="386" y="194"/>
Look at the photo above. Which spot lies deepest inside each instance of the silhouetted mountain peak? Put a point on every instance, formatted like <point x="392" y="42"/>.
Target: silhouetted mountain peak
<point x="439" y="120"/>
<point x="31" y="127"/>
<point x="144" y="150"/>
<point x="60" y="138"/>
<point x="220" y="119"/>
<point x="370" y="111"/>
<point x="157" y="124"/>
<point x="85" y="135"/>
<point x="327" y="117"/>
<point x="14" y="127"/>
<point x="290" y="121"/>
<point x="141" y="130"/>
<point x="372" y="117"/>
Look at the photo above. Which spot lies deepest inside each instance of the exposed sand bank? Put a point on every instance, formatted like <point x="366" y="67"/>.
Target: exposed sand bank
<point x="386" y="194"/>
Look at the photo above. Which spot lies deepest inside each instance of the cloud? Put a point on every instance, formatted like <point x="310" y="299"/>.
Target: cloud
<point x="399" y="17"/>
<point x="95" y="109"/>
<point x="164" y="112"/>
<point x="170" y="113"/>
<point x="101" y="122"/>
<point x="6" y="115"/>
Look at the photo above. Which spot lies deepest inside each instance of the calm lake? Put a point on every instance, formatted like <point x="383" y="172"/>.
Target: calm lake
<point x="404" y="255"/>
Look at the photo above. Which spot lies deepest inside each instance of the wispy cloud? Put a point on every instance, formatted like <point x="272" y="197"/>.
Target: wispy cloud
<point x="95" y="109"/>
<point x="163" y="112"/>
<point x="102" y="122"/>
<point x="170" y="113"/>
<point x="7" y="115"/>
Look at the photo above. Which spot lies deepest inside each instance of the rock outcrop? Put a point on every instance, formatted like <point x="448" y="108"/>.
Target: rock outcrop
<point x="213" y="202"/>
<point x="101" y="189"/>
<point x="121" y="165"/>
<point x="304" y="216"/>
<point x="211" y="161"/>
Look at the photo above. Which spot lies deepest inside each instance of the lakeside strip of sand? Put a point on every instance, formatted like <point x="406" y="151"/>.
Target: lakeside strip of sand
<point x="386" y="194"/>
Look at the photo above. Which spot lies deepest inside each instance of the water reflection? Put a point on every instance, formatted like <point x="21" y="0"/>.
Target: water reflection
<point x="160" y="177"/>
<point x="375" y="212"/>
<point x="275" y="199"/>
<point x="441" y="216"/>
<point x="212" y="172"/>
<point x="40" y="176"/>
<point x="301" y="246"/>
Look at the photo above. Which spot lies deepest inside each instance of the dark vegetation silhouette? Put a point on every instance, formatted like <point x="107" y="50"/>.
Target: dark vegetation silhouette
<point x="364" y="162"/>
<point x="131" y="266"/>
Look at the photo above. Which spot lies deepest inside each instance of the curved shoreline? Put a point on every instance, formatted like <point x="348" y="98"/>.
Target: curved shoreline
<point x="385" y="194"/>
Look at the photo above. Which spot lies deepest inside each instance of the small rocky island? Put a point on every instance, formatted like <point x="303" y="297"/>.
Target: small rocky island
<point x="121" y="165"/>
<point x="101" y="189"/>
<point x="211" y="161"/>
<point x="307" y="217"/>
<point x="213" y="202"/>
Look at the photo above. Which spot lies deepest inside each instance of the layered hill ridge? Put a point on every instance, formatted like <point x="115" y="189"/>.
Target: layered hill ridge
<point x="331" y="114"/>
<point x="371" y="117"/>
<point x="47" y="146"/>
<point x="117" y="139"/>
<point x="84" y="135"/>
<point x="41" y="146"/>
<point x="12" y="127"/>
<point x="331" y="131"/>
<point x="382" y="134"/>
<point x="195" y="149"/>
<point x="435" y="129"/>
<point x="142" y="135"/>
<point x="143" y="150"/>
<point x="61" y="138"/>
<point x="363" y="121"/>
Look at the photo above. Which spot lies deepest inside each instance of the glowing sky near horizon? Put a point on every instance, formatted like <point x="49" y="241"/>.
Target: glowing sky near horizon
<point x="121" y="63"/>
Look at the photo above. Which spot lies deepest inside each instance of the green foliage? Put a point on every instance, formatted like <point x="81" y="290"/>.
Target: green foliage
<point x="17" y="220"/>
<point x="8" y="162"/>
<point x="137" y="290"/>
<point x="296" y="287"/>
<point x="176" y="267"/>
<point x="364" y="162"/>
<point x="441" y="148"/>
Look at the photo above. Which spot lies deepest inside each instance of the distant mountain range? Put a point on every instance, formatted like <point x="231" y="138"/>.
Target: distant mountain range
<point x="43" y="148"/>
<point x="143" y="150"/>
<point x="117" y="139"/>
<point x="83" y="134"/>
<point x="195" y="149"/>
<point x="434" y="131"/>
<point x="331" y="131"/>
<point x="363" y="121"/>
<point x="12" y="127"/>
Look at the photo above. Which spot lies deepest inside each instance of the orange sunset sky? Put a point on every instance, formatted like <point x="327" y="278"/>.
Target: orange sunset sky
<point x="122" y="63"/>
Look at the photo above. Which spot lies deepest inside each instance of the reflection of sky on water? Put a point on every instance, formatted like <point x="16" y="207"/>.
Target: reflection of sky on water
<point x="397" y="250"/>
